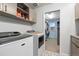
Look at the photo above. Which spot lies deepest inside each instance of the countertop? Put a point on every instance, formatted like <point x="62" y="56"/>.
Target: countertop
<point x="36" y="34"/>
<point x="13" y="38"/>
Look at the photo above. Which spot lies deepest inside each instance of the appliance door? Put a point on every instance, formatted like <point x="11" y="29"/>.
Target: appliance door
<point x="23" y="47"/>
<point x="41" y="41"/>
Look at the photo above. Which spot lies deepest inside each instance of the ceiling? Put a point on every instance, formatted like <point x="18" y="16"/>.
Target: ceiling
<point x="36" y="5"/>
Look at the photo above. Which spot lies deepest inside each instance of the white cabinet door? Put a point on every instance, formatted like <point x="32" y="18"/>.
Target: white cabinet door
<point x="11" y="8"/>
<point x="23" y="47"/>
<point x="1" y="6"/>
<point x="74" y="46"/>
<point x="75" y="50"/>
<point x="32" y="15"/>
<point x="77" y="11"/>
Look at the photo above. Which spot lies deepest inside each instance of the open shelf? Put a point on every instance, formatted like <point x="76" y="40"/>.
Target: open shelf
<point x="22" y="14"/>
<point x="22" y="11"/>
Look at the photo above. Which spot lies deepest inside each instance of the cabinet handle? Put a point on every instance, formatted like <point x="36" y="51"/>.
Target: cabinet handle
<point x="23" y="44"/>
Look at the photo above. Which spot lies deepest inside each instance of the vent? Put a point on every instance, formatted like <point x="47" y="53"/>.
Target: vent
<point x="35" y="4"/>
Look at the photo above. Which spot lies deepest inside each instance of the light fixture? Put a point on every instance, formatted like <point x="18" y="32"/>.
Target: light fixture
<point x="50" y="16"/>
<point x="35" y="4"/>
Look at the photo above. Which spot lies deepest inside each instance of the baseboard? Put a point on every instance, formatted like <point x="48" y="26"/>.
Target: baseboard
<point x="64" y="54"/>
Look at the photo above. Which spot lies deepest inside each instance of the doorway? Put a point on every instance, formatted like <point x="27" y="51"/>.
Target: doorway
<point x="52" y="31"/>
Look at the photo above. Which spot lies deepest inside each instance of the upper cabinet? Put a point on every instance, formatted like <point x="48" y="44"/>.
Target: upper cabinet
<point x="77" y="11"/>
<point x="1" y="6"/>
<point x="32" y="15"/>
<point x="10" y="8"/>
<point x="26" y="12"/>
<point x="18" y="11"/>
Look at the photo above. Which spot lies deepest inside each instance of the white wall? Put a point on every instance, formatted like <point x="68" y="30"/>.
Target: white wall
<point x="8" y="24"/>
<point x="67" y="23"/>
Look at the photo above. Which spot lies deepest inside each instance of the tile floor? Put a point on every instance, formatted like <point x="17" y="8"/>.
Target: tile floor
<point x="43" y="52"/>
<point x="51" y="45"/>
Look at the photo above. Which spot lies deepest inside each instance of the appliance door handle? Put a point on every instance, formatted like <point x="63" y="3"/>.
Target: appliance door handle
<point x="23" y="44"/>
<point x="75" y="45"/>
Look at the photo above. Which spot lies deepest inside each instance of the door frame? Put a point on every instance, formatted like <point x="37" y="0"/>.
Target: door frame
<point x="44" y="27"/>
